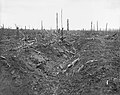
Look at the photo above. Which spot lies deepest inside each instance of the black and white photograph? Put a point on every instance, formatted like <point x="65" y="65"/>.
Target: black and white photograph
<point x="59" y="47"/>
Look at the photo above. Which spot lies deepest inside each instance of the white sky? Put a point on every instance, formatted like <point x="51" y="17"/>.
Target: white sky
<point x="80" y="13"/>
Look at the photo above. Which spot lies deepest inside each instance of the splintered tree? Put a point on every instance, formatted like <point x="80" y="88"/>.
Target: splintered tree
<point x="97" y="25"/>
<point x="67" y="24"/>
<point x="91" y="25"/>
<point x="41" y="25"/>
<point x="61" y="19"/>
<point x="25" y="27"/>
<point x="106" y="26"/>
<point x="57" y="21"/>
<point x="61" y="35"/>
<point x="17" y="32"/>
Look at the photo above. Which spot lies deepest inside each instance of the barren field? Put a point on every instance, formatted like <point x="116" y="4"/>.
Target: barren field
<point x="50" y="62"/>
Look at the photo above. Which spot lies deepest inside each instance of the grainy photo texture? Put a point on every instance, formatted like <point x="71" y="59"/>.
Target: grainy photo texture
<point x="59" y="47"/>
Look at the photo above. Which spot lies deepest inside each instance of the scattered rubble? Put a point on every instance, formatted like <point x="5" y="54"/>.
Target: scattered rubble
<point x="50" y="63"/>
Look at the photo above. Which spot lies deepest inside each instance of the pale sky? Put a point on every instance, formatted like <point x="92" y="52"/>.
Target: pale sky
<point x="79" y="12"/>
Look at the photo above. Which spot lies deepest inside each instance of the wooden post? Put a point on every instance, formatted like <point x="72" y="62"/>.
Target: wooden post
<point x="2" y="27"/>
<point x="61" y="20"/>
<point x="57" y="21"/>
<point x="17" y="32"/>
<point x="62" y="35"/>
<point x="67" y="24"/>
<point x="106" y="26"/>
<point x="97" y="25"/>
<point x="41" y="25"/>
<point x="91" y="26"/>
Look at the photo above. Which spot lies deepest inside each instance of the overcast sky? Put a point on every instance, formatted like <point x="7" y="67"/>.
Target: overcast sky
<point x="80" y="13"/>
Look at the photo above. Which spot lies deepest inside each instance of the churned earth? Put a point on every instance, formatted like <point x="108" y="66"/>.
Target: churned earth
<point x="48" y="62"/>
